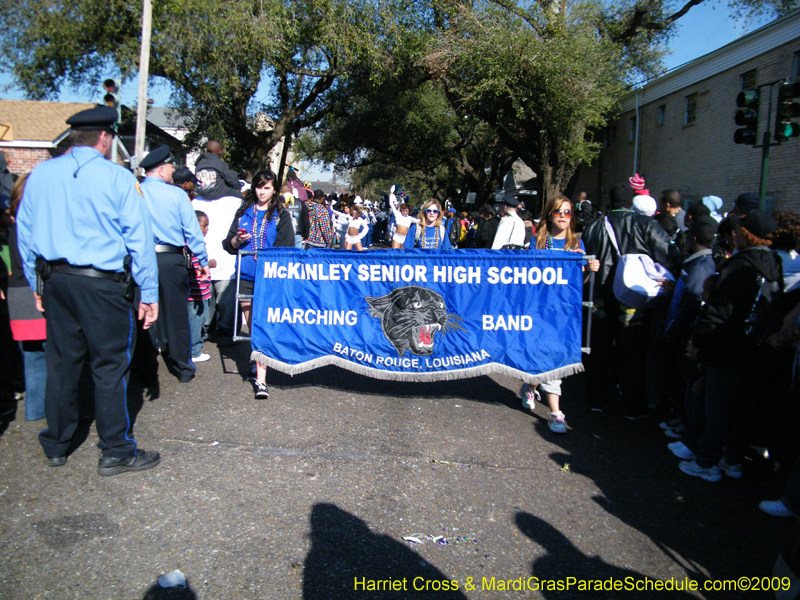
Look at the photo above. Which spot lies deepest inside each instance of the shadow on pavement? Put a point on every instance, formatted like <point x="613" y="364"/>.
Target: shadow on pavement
<point x="344" y="550"/>
<point x="6" y="419"/>
<point x="156" y="592"/>
<point x="239" y="354"/>
<point x="480" y="389"/>
<point x="563" y="560"/>
<point x="711" y="531"/>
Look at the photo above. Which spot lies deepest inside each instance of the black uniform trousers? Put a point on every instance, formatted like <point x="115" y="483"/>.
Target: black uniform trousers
<point x="172" y="327"/>
<point x="88" y="316"/>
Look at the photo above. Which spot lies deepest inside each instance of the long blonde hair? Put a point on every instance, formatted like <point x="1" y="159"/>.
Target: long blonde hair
<point x="543" y="228"/>
<point x="431" y="202"/>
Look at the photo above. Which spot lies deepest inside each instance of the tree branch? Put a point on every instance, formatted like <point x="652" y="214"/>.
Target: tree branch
<point x="297" y="70"/>
<point x="638" y="20"/>
<point x="514" y="10"/>
<point x="670" y="20"/>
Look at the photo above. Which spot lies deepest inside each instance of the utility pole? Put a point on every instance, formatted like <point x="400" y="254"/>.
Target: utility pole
<point x="144" y="69"/>
<point x="287" y="143"/>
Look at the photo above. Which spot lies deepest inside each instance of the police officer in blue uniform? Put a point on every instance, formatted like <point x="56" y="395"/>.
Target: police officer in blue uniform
<point x="84" y="230"/>
<point x="175" y="226"/>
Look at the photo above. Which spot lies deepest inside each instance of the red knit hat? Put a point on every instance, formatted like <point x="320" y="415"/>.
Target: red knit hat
<point x="637" y="182"/>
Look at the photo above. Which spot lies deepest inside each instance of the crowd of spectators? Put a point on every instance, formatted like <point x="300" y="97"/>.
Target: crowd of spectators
<point x="724" y="331"/>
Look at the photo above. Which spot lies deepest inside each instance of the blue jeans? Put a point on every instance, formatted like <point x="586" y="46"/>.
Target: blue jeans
<point x="198" y="310"/>
<point x="35" y="379"/>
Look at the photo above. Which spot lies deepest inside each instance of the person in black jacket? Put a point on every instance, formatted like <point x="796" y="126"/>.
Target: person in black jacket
<point x="685" y="307"/>
<point x="487" y="228"/>
<point x="724" y="340"/>
<point x="618" y="331"/>
<point x="6" y="178"/>
<point x="214" y="175"/>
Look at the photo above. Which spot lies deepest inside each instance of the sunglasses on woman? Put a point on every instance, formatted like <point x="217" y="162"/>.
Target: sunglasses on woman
<point x="567" y="212"/>
<point x="432" y="211"/>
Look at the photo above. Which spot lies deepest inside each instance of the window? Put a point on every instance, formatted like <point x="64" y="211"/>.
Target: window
<point x="661" y="115"/>
<point x="796" y="66"/>
<point x="748" y="81"/>
<point x="691" y="109"/>
<point x="632" y="132"/>
<point x="609" y="133"/>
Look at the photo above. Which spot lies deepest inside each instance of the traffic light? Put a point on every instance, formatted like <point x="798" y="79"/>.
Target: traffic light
<point x="747" y="118"/>
<point x="111" y="98"/>
<point x="788" y="109"/>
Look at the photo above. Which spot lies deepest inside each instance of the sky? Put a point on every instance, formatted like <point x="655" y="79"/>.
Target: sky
<point x="704" y="29"/>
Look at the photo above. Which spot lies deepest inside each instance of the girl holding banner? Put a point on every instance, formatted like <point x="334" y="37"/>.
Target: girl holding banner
<point x="556" y="231"/>
<point x="261" y="222"/>
<point x="429" y="234"/>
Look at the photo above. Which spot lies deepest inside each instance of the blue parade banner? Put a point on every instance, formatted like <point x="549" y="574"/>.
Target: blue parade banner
<point x="419" y="315"/>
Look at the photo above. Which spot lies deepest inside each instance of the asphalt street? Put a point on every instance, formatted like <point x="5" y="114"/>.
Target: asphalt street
<point x="311" y="493"/>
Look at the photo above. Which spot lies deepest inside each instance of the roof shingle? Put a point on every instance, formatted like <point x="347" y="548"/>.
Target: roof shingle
<point x="39" y="121"/>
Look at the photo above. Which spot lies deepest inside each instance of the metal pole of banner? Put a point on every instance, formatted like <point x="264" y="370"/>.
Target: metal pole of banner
<point x="590" y="305"/>
<point x="239" y="298"/>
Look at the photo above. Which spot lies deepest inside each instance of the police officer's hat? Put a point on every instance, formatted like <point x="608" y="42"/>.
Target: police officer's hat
<point x="99" y="117"/>
<point x="156" y="157"/>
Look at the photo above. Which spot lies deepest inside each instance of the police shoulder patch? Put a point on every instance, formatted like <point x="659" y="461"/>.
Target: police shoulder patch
<point x="139" y="189"/>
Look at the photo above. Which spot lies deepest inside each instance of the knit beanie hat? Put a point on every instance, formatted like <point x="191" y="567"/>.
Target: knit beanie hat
<point x="637" y="182"/>
<point x="644" y="205"/>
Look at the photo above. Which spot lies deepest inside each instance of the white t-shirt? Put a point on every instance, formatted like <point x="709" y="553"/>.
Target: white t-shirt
<point x="510" y="231"/>
<point x="220" y="214"/>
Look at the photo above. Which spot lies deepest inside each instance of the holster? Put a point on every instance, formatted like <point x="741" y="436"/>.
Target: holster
<point x="43" y="273"/>
<point x="127" y="279"/>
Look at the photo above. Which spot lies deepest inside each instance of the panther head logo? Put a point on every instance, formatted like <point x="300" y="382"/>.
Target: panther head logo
<point x="411" y="316"/>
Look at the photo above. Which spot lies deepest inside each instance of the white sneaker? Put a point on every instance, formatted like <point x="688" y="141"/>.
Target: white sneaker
<point x="712" y="473"/>
<point x="202" y="358"/>
<point x="732" y="471"/>
<point x="529" y="395"/>
<point x="557" y="422"/>
<point x="677" y="432"/>
<point x="776" y="508"/>
<point x="680" y="450"/>
<point x="671" y="424"/>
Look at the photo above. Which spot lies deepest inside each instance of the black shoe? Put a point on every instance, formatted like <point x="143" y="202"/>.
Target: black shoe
<point x="142" y="460"/>
<point x="261" y="391"/>
<point x="8" y="407"/>
<point x="56" y="461"/>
